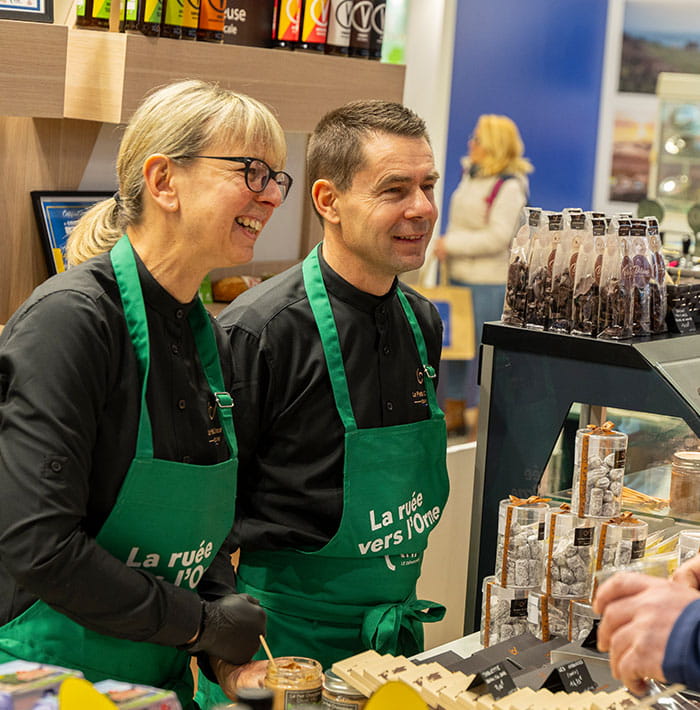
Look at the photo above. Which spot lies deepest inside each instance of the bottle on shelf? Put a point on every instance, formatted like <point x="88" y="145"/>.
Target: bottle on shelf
<point x="314" y="25"/>
<point x="376" y="35"/>
<point x="93" y="14"/>
<point x="210" y="27"/>
<point x="190" y="18"/>
<point x="171" y="25"/>
<point x="361" y="28"/>
<point x="338" y="33"/>
<point x="142" y="16"/>
<point x="287" y="22"/>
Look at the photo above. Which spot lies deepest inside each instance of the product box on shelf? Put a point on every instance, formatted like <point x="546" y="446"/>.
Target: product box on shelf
<point x="127" y="696"/>
<point x="23" y="683"/>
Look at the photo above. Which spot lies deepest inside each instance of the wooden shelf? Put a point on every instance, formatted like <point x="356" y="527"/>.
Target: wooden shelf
<point x="109" y="73"/>
<point x="33" y="61"/>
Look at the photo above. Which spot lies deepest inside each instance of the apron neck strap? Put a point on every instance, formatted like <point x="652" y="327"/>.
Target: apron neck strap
<point x="126" y="272"/>
<point x="323" y="315"/>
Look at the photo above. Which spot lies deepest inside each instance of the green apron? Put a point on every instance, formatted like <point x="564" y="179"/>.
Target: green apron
<point x="169" y="518"/>
<point x="359" y="590"/>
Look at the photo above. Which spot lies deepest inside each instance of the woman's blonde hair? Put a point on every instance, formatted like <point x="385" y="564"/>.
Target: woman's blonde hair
<point x="502" y="145"/>
<point x="181" y="119"/>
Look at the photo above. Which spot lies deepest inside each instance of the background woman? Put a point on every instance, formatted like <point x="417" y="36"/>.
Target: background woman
<point x="485" y="212"/>
<point x="117" y="451"/>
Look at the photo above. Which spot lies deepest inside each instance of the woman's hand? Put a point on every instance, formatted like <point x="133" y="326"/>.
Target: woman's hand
<point x="230" y="677"/>
<point x="440" y="250"/>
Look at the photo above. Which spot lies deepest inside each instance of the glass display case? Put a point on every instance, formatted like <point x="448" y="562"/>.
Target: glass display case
<point x="675" y="169"/>
<point x="538" y="388"/>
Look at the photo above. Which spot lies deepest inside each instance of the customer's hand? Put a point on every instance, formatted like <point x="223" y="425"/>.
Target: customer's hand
<point x="231" y="629"/>
<point x="231" y="677"/>
<point x="638" y="614"/>
<point x="689" y="573"/>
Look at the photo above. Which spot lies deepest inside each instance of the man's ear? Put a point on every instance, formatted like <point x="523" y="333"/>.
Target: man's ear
<point x="325" y="195"/>
<point x="158" y="178"/>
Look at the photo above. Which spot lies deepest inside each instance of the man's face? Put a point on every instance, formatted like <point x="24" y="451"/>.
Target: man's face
<point x="386" y="217"/>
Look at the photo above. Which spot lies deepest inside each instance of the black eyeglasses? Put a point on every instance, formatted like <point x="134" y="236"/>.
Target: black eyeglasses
<point x="257" y="173"/>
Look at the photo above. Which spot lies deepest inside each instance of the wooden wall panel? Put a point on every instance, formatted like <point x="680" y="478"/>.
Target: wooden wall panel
<point x="35" y="154"/>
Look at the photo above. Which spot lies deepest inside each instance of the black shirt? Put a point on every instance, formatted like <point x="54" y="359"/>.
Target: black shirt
<point x="291" y="447"/>
<point x="69" y="412"/>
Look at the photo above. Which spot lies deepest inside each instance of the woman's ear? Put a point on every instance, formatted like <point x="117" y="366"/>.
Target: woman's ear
<point x="158" y="178"/>
<point x="325" y="196"/>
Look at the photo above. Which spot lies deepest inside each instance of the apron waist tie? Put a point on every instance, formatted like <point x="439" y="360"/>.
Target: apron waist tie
<point x="383" y="626"/>
<point x="389" y="626"/>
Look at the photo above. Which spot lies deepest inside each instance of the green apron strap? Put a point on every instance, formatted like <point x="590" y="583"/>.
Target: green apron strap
<point x="209" y="357"/>
<point x="321" y="308"/>
<point x="124" y="264"/>
<point x="428" y="369"/>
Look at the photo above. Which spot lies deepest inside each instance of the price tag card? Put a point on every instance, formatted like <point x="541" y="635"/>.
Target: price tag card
<point x="680" y="320"/>
<point x="497" y="680"/>
<point x="573" y="677"/>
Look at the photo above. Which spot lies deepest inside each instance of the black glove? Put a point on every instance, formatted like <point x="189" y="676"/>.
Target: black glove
<point x="231" y="627"/>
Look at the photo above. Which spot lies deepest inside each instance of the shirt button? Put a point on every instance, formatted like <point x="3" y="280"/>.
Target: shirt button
<point x="181" y="404"/>
<point x="386" y="349"/>
<point x="186" y="459"/>
<point x="389" y="406"/>
<point x="175" y="349"/>
<point x="179" y="313"/>
<point x="56" y="466"/>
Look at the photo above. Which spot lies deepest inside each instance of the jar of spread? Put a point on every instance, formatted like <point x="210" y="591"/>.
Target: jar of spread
<point x="338" y="695"/>
<point x="295" y="681"/>
<point x="685" y="483"/>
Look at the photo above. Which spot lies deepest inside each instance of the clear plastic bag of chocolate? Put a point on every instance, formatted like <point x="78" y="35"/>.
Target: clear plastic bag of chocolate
<point x="641" y="292"/>
<point x="537" y="306"/>
<point x="569" y="554"/>
<point x="616" y="283"/>
<point x="515" y="303"/>
<point x="657" y="292"/>
<point x="562" y="289"/>
<point x="587" y="270"/>
<point x="503" y="612"/>
<point x="520" y="542"/>
<point x="599" y="467"/>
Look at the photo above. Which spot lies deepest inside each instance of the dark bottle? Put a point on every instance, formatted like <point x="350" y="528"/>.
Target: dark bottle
<point x="172" y="19"/>
<point x="338" y="34"/>
<point x="314" y="25"/>
<point x="287" y="21"/>
<point x="361" y="27"/>
<point x="190" y="18"/>
<point x="377" y="32"/>
<point x="142" y="16"/>
<point x="210" y="27"/>
<point x="256" y="698"/>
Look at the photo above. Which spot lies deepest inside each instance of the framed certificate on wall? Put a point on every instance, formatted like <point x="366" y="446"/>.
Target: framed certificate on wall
<point x="56" y="214"/>
<point x="29" y="10"/>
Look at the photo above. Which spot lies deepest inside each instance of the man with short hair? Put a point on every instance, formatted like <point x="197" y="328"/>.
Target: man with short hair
<point x="341" y="442"/>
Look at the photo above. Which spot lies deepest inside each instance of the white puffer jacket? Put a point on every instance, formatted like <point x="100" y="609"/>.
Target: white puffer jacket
<point x="478" y="238"/>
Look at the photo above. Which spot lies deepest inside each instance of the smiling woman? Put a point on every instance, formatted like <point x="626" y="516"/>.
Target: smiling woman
<point x="125" y="379"/>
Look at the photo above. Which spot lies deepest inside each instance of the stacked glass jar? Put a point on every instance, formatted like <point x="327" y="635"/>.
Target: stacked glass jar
<point x="519" y="559"/>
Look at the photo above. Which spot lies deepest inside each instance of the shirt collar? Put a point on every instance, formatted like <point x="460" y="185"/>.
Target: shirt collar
<point x="345" y="291"/>
<point x="157" y="297"/>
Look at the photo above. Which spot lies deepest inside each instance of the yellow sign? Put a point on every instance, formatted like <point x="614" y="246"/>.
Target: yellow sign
<point x="396" y="694"/>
